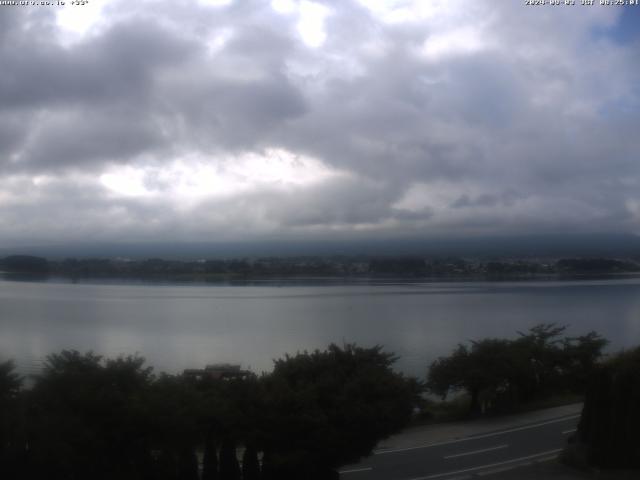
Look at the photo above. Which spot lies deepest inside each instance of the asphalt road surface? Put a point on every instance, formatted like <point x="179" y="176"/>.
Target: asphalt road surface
<point x="464" y="457"/>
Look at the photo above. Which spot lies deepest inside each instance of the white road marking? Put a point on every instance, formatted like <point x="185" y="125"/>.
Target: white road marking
<point x="475" y="437"/>
<point x="566" y="432"/>
<point x="511" y="467"/>
<point x="491" y="465"/>
<point x="476" y="451"/>
<point x="355" y="470"/>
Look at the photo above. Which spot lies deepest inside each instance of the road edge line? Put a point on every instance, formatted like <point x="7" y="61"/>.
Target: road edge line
<point x="475" y="437"/>
<point x="519" y="459"/>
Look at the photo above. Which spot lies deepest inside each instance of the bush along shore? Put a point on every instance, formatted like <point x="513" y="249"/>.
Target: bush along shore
<point x="87" y="417"/>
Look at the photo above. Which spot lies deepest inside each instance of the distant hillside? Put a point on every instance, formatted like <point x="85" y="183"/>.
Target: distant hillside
<point x="317" y="266"/>
<point x="556" y="246"/>
<point x="24" y="264"/>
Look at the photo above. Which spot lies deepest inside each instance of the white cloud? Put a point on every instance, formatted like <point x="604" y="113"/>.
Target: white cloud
<point x="284" y="6"/>
<point x="194" y="178"/>
<point x="218" y="39"/>
<point x="75" y="21"/>
<point x="215" y="3"/>
<point x="459" y="41"/>
<point x="311" y="23"/>
<point x="401" y="11"/>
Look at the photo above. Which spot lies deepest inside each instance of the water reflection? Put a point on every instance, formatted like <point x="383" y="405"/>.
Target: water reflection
<point x="177" y="327"/>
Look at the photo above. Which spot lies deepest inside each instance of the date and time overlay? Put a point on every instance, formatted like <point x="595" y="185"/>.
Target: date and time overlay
<point x="584" y="3"/>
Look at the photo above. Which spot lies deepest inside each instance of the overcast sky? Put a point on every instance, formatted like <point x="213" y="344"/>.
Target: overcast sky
<point x="244" y="119"/>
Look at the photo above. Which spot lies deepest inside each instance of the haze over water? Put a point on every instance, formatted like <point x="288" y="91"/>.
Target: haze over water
<point x="184" y="326"/>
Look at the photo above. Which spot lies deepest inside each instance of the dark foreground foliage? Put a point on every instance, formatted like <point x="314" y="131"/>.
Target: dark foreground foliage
<point x="87" y="417"/>
<point x="610" y="421"/>
<point x="500" y="374"/>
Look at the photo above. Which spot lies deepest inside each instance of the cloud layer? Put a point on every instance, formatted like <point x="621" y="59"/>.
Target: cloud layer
<point x="240" y="119"/>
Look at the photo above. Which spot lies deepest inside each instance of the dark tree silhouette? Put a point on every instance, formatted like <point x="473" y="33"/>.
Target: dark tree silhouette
<point x="174" y="408"/>
<point x="104" y="419"/>
<point x="483" y="368"/>
<point x="328" y="408"/>
<point x="10" y="381"/>
<point x="581" y="356"/>
<point x="11" y="419"/>
<point x="210" y="459"/>
<point x="610" y="418"/>
<point x="24" y="264"/>
<point x="187" y="465"/>
<point x="86" y="418"/>
<point x="229" y="466"/>
<point x="250" y="464"/>
<point x="506" y="373"/>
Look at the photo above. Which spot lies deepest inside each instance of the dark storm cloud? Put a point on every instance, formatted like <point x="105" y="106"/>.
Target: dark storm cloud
<point x="469" y="118"/>
<point x="344" y="202"/>
<point x="84" y="137"/>
<point x="116" y="66"/>
<point x="507" y="198"/>
<point x="12" y="133"/>
<point x="229" y="114"/>
<point x="85" y="103"/>
<point x="123" y="91"/>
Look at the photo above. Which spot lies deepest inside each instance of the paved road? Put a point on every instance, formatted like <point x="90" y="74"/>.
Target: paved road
<point x="474" y="455"/>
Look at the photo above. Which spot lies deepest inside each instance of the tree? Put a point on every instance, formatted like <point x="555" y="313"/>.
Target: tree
<point x="91" y="417"/>
<point x="541" y="359"/>
<point x="10" y="381"/>
<point x="210" y="459"/>
<point x="250" y="464"/>
<point x="582" y="354"/>
<point x="187" y="464"/>
<point x="506" y="373"/>
<point x="231" y="413"/>
<point x="11" y="443"/>
<point x="610" y="421"/>
<point x="25" y="264"/>
<point x="86" y="417"/>
<point x="484" y="369"/>
<point x="328" y="408"/>
<point x="229" y="467"/>
<point x="174" y="408"/>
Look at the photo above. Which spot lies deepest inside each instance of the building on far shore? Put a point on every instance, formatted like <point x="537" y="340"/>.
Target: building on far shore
<point x="218" y="371"/>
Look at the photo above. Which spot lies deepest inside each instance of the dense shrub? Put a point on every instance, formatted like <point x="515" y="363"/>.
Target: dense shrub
<point x="87" y="417"/>
<point x="502" y="374"/>
<point x="610" y="419"/>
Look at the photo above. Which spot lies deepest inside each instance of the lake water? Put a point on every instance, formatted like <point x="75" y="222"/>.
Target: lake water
<point x="185" y="326"/>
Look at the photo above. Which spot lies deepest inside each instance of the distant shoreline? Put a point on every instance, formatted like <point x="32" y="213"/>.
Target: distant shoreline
<point x="314" y="270"/>
<point x="299" y="280"/>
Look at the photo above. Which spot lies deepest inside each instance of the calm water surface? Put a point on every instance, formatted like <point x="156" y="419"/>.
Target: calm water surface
<point x="177" y="327"/>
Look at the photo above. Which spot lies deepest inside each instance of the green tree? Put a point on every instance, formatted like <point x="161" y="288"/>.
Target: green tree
<point x="505" y="373"/>
<point x="581" y="357"/>
<point x="12" y="442"/>
<point x="541" y="359"/>
<point x="328" y="408"/>
<point x="232" y="411"/>
<point x="10" y="381"/>
<point x="610" y="421"/>
<point x="174" y="409"/>
<point x="482" y="370"/>
<point x="86" y="418"/>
